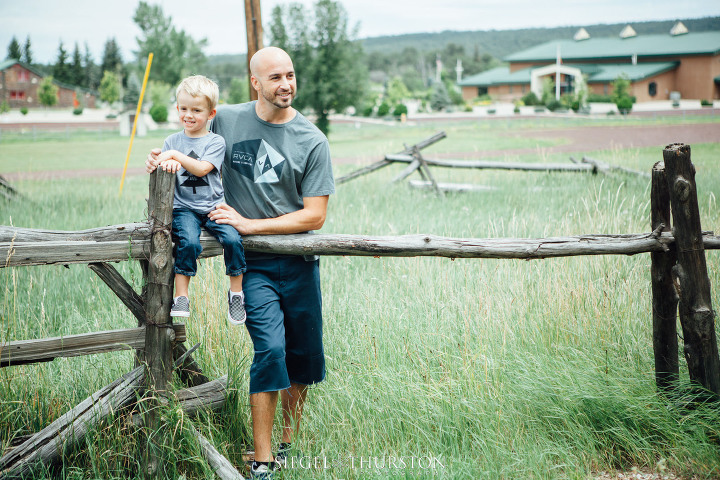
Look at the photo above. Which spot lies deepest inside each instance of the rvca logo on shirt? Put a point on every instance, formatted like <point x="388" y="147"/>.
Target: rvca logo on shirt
<point x="257" y="160"/>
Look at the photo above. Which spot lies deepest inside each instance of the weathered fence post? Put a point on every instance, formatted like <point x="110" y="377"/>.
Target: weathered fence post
<point x="664" y="298"/>
<point x="159" y="334"/>
<point x="690" y="274"/>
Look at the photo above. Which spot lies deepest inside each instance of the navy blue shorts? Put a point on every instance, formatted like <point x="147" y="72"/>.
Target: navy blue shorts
<point x="284" y="319"/>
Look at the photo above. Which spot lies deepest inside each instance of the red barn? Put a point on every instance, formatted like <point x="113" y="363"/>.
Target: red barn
<point x="19" y="83"/>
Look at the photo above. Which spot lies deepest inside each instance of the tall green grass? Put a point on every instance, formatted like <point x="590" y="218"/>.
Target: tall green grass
<point x="496" y="369"/>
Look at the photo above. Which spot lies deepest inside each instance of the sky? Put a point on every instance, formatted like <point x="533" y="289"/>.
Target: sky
<point x="222" y="22"/>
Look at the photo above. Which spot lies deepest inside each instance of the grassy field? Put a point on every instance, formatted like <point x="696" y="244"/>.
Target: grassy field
<point x="483" y="369"/>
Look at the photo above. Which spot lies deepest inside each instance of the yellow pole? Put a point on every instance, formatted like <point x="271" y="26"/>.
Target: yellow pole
<point x="137" y="115"/>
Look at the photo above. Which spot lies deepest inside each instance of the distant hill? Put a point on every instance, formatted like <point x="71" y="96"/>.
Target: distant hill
<point x="239" y="58"/>
<point x="500" y="43"/>
<point x="412" y="56"/>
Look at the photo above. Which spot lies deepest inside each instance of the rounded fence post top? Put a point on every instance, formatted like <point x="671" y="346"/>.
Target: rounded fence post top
<point x="677" y="147"/>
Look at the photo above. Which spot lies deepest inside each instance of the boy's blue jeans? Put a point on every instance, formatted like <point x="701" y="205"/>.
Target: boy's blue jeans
<point x="186" y="226"/>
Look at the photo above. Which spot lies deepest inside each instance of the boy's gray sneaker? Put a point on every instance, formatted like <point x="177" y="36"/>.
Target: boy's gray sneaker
<point x="262" y="472"/>
<point x="180" y="307"/>
<point x="236" y="308"/>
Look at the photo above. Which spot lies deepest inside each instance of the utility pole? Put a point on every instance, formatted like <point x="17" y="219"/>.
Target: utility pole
<point x="438" y="68"/>
<point x="253" y="26"/>
<point x="558" y="77"/>
<point x="459" y="70"/>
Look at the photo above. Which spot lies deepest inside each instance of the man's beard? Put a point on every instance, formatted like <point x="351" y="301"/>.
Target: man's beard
<point x="275" y="100"/>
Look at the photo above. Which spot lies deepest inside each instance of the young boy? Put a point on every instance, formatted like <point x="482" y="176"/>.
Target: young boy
<point x="195" y="155"/>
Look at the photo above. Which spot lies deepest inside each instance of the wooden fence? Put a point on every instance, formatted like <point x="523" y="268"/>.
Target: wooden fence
<point x="159" y="343"/>
<point x="416" y="162"/>
<point x="678" y="276"/>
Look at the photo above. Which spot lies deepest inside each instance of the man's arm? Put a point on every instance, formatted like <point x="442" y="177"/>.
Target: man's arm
<point x="310" y="217"/>
<point x="151" y="162"/>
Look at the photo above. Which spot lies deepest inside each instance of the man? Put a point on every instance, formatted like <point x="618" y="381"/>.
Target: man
<point x="277" y="177"/>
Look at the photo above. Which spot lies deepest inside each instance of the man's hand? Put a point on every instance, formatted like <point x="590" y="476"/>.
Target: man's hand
<point x="224" y="213"/>
<point x="310" y="217"/>
<point x="170" y="165"/>
<point x="151" y="162"/>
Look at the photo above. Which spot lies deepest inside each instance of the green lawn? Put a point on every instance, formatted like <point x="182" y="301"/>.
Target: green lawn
<point x="82" y="150"/>
<point x="491" y="369"/>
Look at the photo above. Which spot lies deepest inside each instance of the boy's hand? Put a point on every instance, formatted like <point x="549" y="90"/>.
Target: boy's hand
<point x="151" y="162"/>
<point x="170" y="165"/>
<point x="167" y="155"/>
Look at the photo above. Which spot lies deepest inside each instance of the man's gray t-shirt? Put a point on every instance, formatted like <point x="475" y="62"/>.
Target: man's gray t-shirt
<point x="269" y="167"/>
<point x="199" y="194"/>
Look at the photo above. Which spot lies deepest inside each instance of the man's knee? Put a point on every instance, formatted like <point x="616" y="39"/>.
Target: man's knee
<point x="271" y="350"/>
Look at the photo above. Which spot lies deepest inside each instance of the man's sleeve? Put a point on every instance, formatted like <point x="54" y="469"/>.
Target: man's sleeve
<point x="215" y="122"/>
<point x="318" y="178"/>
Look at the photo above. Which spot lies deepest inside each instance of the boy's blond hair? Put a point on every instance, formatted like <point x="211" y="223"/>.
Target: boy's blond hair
<point x="199" y="85"/>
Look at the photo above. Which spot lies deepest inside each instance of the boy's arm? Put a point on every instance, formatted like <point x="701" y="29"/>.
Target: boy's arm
<point x="196" y="167"/>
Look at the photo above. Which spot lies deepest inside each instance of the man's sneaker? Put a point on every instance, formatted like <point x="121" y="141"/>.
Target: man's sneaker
<point x="180" y="307"/>
<point x="281" y="457"/>
<point x="236" y="308"/>
<point x="262" y="471"/>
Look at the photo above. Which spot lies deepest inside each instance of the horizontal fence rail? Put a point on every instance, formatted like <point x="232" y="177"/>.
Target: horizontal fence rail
<point x="25" y="247"/>
<point x="486" y="164"/>
<point x="44" y="350"/>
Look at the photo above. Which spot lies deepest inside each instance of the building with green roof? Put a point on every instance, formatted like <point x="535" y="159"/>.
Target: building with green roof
<point x="656" y="65"/>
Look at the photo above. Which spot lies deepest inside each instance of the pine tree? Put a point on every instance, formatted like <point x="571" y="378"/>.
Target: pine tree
<point x="176" y="52"/>
<point x="77" y="73"/>
<point x="193" y="182"/>
<point x="91" y="72"/>
<point x="439" y="98"/>
<point x="27" y="51"/>
<point x="131" y="95"/>
<point x="328" y="63"/>
<point x="14" y="51"/>
<point x="278" y="33"/>
<point x="62" y="71"/>
<point x="111" y="60"/>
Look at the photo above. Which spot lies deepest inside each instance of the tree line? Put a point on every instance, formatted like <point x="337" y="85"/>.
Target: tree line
<point x="326" y="57"/>
<point x="501" y="43"/>
<point x="335" y="71"/>
<point x="79" y="69"/>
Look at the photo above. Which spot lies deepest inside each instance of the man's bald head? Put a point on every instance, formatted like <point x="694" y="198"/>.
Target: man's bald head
<point x="273" y="77"/>
<point x="266" y="57"/>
